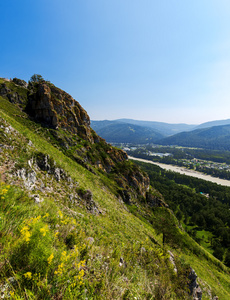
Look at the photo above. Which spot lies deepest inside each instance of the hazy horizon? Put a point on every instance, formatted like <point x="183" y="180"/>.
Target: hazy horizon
<point x="147" y="60"/>
<point x="139" y="120"/>
<point x="157" y="121"/>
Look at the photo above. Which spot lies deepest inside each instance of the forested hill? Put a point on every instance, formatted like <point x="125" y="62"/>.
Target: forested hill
<point x="216" y="137"/>
<point x="166" y="129"/>
<point x="213" y="123"/>
<point x="118" y="132"/>
<point x="150" y="130"/>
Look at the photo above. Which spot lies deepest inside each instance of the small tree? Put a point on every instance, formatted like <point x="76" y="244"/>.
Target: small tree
<point x="227" y="259"/>
<point x="166" y="224"/>
<point x="36" y="78"/>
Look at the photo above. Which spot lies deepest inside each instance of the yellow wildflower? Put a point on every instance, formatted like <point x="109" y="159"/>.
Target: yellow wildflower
<point x="36" y="219"/>
<point x="74" y="222"/>
<point x="63" y="256"/>
<point x="81" y="264"/>
<point x="25" y="233"/>
<point x="12" y="293"/>
<point x="60" y="269"/>
<point x="65" y="221"/>
<point x="60" y="214"/>
<point x="28" y="275"/>
<point x="44" y="230"/>
<point x="50" y="258"/>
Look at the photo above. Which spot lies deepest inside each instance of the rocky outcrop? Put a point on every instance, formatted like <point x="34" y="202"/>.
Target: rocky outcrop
<point x="194" y="288"/>
<point x="89" y="203"/>
<point x="13" y="96"/>
<point x="57" y="109"/>
<point x="155" y="200"/>
<point x="28" y="176"/>
<point x="20" y="82"/>
<point x="133" y="182"/>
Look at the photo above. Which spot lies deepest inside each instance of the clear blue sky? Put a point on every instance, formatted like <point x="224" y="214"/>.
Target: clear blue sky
<point x="156" y="60"/>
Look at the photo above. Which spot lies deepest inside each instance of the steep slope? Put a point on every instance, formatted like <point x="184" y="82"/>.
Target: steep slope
<point x="217" y="137"/>
<point x="76" y="227"/>
<point x="117" y="132"/>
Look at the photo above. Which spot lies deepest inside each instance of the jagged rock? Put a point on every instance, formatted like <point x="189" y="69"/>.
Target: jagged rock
<point x="4" y="90"/>
<point x="37" y="198"/>
<point x="194" y="288"/>
<point x="57" y="174"/>
<point x="43" y="162"/>
<point x="172" y="261"/>
<point x="122" y="263"/>
<point x="30" y="162"/>
<point x="13" y="281"/>
<point x="9" y="129"/>
<point x="57" y="109"/>
<point x="29" y="177"/>
<point x="71" y="198"/>
<point x="126" y="197"/>
<point x="30" y="143"/>
<point x="155" y="201"/>
<point x="90" y="204"/>
<point x="13" y="97"/>
<point x="20" y="82"/>
<point x="6" y="147"/>
<point x="198" y="293"/>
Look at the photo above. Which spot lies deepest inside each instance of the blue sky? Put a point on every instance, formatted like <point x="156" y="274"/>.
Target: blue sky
<point x="166" y="60"/>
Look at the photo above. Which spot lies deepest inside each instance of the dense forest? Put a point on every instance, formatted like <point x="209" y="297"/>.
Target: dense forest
<point x="199" y="205"/>
<point x="216" y="137"/>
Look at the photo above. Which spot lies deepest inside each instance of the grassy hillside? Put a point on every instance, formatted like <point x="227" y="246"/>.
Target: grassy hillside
<point x="66" y="232"/>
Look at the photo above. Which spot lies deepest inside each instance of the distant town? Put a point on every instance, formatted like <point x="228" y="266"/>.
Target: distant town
<point x="215" y="163"/>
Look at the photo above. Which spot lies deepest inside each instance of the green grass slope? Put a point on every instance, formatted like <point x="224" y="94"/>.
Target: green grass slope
<point x="59" y="248"/>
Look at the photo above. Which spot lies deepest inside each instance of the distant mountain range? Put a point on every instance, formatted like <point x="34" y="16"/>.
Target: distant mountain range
<point x="215" y="137"/>
<point x="118" y="132"/>
<point x="209" y="135"/>
<point x="164" y="128"/>
<point x="213" y="123"/>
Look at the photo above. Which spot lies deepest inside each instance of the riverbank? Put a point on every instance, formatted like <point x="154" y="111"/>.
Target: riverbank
<point x="185" y="171"/>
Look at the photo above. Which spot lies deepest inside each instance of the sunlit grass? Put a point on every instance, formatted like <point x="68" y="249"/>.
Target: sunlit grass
<point x="56" y="251"/>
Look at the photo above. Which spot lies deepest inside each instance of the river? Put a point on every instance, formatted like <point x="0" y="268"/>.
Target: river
<point x="185" y="171"/>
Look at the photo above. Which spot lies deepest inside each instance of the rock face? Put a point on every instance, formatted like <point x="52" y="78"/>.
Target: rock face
<point x="57" y="109"/>
<point x="20" y="82"/>
<point x="194" y="288"/>
<point x="69" y="124"/>
<point x="155" y="200"/>
<point x="13" y="96"/>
